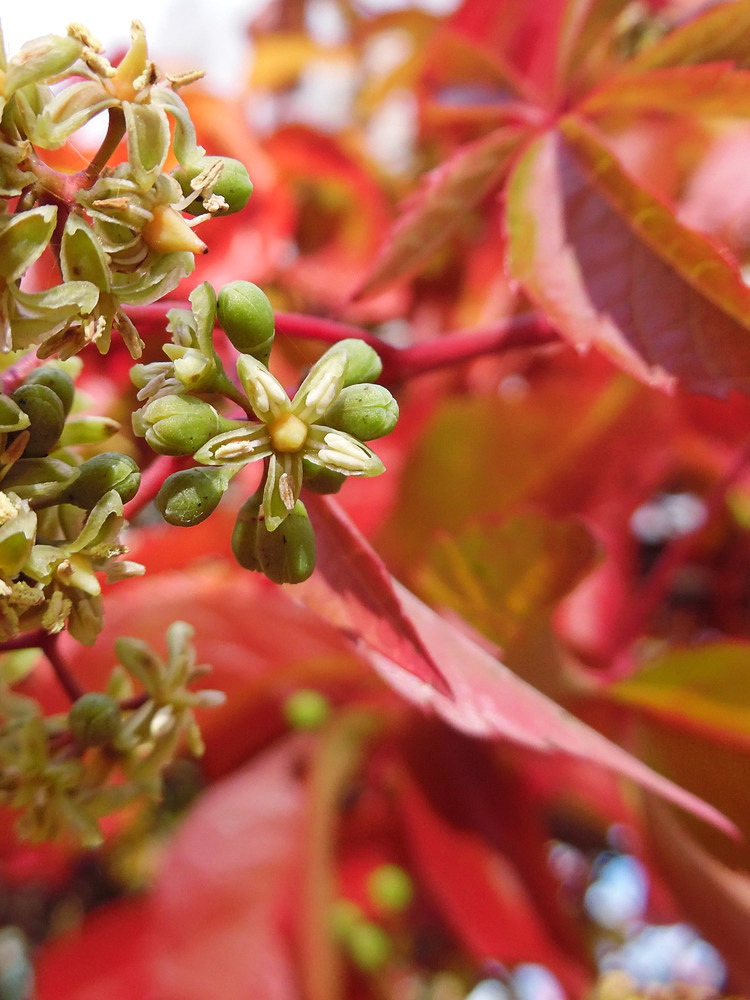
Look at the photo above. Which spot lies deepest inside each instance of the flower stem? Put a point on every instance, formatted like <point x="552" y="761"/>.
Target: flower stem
<point x="50" y="648"/>
<point x="115" y="132"/>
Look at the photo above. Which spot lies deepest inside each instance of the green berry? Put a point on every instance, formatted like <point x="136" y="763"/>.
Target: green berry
<point x="246" y="317"/>
<point x="108" y="471"/>
<point x="233" y="185"/>
<point x="368" y="945"/>
<point x="12" y="417"/>
<point x="363" y="363"/>
<point x="58" y="381"/>
<point x="287" y="555"/>
<point x="320" y="480"/>
<point x="186" y="498"/>
<point x="306" y="709"/>
<point x="180" y="425"/>
<point x="244" y="536"/>
<point x="94" y="719"/>
<point x="390" y="888"/>
<point x="46" y="414"/>
<point x="364" y="411"/>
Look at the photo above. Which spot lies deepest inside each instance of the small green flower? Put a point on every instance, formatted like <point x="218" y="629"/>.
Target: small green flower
<point x="291" y="431"/>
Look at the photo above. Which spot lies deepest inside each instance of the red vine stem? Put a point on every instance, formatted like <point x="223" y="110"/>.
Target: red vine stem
<point x="399" y="363"/>
<point x="653" y="592"/>
<point x="50" y="648"/>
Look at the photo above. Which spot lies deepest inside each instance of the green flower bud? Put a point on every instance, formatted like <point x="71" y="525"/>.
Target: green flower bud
<point x="364" y="411"/>
<point x="245" y="315"/>
<point x="320" y="480"/>
<point x="233" y="185"/>
<point x="390" y="888"/>
<point x="40" y="480"/>
<point x="287" y="555"/>
<point x="87" y="430"/>
<point x="186" y="498"/>
<point x="363" y="363"/>
<point x="47" y="415"/>
<point x="94" y="719"/>
<point x="180" y="425"/>
<point x="368" y="945"/>
<point x="306" y="709"/>
<point x="12" y="417"/>
<point x="58" y="381"/>
<point x="244" y="545"/>
<point x="99" y="475"/>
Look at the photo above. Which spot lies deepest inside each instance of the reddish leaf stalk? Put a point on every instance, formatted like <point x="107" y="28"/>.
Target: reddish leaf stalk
<point x="653" y="592"/>
<point x="399" y="363"/>
<point x="29" y="640"/>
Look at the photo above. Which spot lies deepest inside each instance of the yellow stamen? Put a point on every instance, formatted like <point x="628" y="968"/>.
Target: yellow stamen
<point x="288" y="433"/>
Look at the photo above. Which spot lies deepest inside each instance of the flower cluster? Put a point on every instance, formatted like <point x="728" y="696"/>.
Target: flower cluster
<point x="60" y="516"/>
<point x="65" y="772"/>
<point x="120" y="236"/>
<point x="315" y="437"/>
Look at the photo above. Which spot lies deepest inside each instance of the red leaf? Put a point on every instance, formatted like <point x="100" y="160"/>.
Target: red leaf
<point x="217" y="904"/>
<point x="714" y="90"/>
<point x="409" y="645"/>
<point x="439" y="207"/>
<point x="611" y="266"/>
<point x="352" y="589"/>
<point x="714" y="897"/>
<point x="489" y="700"/>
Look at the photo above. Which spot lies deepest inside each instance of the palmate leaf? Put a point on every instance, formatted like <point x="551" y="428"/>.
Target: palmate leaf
<point x="610" y="266"/>
<point x="402" y="637"/>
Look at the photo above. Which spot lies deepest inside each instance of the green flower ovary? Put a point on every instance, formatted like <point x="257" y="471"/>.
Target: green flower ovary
<point x="290" y="431"/>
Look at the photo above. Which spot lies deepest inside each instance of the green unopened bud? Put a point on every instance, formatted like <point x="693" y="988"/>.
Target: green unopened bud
<point x="244" y="536"/>
<point x="180" y="425"/>
<point x="390" y="888"/>
<point x="368" y="945"/>
<point x="306" y="709"/>
<point x="363" y="363"/>
<point x="87" y="430"/>
<point x="233" y="185"/>
<point x="287" y="555"/>
<point x="320" y="480"/>
<point x="58" y="381"/>
<point x="94" y="719"/>
<point x="364" y="411"/>
<point x="12" y="417"/>
<point x="186" y="498"/>
<point x="245" y="315"/>
<point x="99" y="475"/>
<point x="46" y="414"/>
<point x="39" y="480"/>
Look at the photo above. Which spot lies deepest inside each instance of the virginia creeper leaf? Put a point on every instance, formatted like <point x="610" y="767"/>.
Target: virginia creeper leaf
<point x="611" y="266"/>
<point x="352" y="589"/>
<point x="499" y="575"/>
<point x="714" y="897"/>
<point x="438" y="208"/>
<point x="714" y="90"/>
<point x="703" y="689"/>
<point x="488" y="700"/>
<point x="717" y="35"/>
